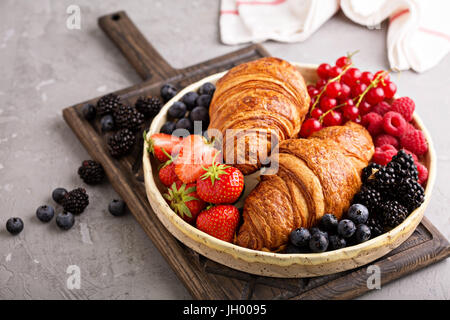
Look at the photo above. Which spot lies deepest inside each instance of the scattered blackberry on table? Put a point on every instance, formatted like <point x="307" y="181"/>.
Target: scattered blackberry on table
<point x="65" y="220"/>
<point x="127" y="117"/>
<point x="185" y="123"/>
<point x="329" y="222"/>
<point x="91" y="172"/>
<point x="392" y="213"/>
<point x="45" y="213"/>
<point x="410" y="194"/>
<point x="107" y="123"/>
<point x="375" y="226"/>
<point x="318" y="242"/>
<point x="408" y="168"/>
<point x="58" y="195"/>
<point x="346" y="228"/>
<point x="14" y="225"/>
<point x="369" y="197"/>
<point x="300" y="237"/>
<point x="88" y="111"/>
<point x="148" y="106"/>
<point x="368" y="171"/>
<point x="75" y="201"/>
<point x="121" y="143"/>
<point x="107" y="104"/>
<point x="207" y="88"/>
<point x="358" y="213"/>
<point x="177" y="110"/>
<point x="203" y="100"/>
<point x="362" y="233"/>
<point x="336" y="242"/>
<point x="168" y="127"/>
<point x="168" y="91"/>
<point x="189" y="99"/>
<point x="117" y="207"/>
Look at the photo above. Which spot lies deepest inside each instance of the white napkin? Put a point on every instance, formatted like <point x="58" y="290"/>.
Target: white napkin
<point x="418" y="35"/>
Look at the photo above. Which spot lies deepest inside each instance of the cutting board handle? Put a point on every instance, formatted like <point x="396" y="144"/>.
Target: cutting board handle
<point x="139" y="52"/>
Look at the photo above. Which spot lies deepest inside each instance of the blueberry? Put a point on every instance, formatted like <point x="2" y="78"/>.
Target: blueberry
<point x="207" y="88"/>
<point x="185" y="123"/>
<point x="117" y="207"/>
<point x="45" y="213"/>
<point x="177" y="110"/>
<point x="14" y="225"/>
<point x="204" y="100"/>
<point x="88" y="111"/>
<point x="189" y="99"/>
<point x="107" y="123"/>
<point x="329" y="222"/>
<point x="315" y="230"/>
<point x="65" y="220"/>
<point x="199" y="114"/>
<point x="290" y="248"/>
<point x="58" y="195"/>
<point x="300" y="237"/>
<point x="362" y="233"/>
<point x="358" y="213"/>
<point x="168" y="91"/>
<point x="346" y="228"/>
<point x="168" y="127"/>
<point x="318" y="242"/>
<point x="337" y="242"/>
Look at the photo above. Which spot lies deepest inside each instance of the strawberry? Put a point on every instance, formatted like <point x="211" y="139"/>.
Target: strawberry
<point x="220" y="184"/>
<point x="219" y="221"/>
<point x="162" y="145"/>
<point x="183" y="199"/>
<point x="167" y="174"/>
<point x="195" y="154"/>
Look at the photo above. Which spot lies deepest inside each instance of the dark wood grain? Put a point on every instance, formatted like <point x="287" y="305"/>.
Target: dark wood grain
<point x="203" y="278"/>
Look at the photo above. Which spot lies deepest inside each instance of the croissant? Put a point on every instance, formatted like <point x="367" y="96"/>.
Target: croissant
<point x="317" y="175"/>
<point x="264" y="97"/>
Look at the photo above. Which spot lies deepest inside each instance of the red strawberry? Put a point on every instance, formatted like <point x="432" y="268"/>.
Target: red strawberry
<point x="220" y="184"/>
<point x="195" y="154"/>
<point x="167" y="174"/>
<point x="183" y="199"/>
<point x="162" y="146"/>
<point x="219" y="221"/>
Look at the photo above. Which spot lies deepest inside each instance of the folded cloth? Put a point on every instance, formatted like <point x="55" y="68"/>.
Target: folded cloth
<point x="418" y="35"/>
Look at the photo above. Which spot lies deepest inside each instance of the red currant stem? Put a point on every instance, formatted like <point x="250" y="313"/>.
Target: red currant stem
<point x="351" y="54"/>
<point x="325" y="86"/>
<point x="328" y="111"/>
<point x="372" y="84"/>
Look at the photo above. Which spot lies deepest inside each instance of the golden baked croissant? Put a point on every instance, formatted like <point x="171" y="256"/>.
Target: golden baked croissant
<point x="264" y="97"/>
<point x="317" y="175"/>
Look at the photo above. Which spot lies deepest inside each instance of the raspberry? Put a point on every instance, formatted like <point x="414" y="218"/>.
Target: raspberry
<point x="409" y="127"/>
<point x="394" y="123"/>
<point x="383" y="139"/>
<point x="415" y="158"/>
<point x="414" y="141"/>
<point x="373" y="122"/>
<point x="381" y="108"/>
<point x="423" y="173"/>
<point x="383" y="155"/>
<point x="405" y="106"/>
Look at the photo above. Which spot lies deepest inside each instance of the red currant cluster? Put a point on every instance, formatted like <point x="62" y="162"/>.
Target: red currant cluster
<point x="344" y="93"/>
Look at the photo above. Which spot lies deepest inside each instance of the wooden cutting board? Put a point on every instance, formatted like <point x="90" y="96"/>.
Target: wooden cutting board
<point x="204" y="278"/>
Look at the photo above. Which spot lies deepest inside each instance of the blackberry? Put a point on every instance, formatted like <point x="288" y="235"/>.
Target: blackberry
<point x="121" y="143"/>
<point x="392" y="213"/>
<point x="128" y="117"/>
<point x="369" y="170"/>
<point x="369" y="197"/>
<point x="91" y="172"/>
<point x="107" y="104"/>
<point x="75" y="201"/>
<point x="375" y="226"/>
<point x="148" y="106"/>
<point x="385" y="180"/>
<point x="407" y="167"/>
<point x="410" y="194"/>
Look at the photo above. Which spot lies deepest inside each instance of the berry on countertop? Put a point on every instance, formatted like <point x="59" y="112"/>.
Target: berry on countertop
<point x="148" y="106"/>
<point x="107" y="104"/>
<point x="168" y="91"/>
<point x="383" y="139"/>
<point x="168" y="127"/>
<point x="45" y="213"/>
<point x="164" y="146"/>
<point x="219" y="221"/>
<point x="405" y="106"/>
<point x="394" y="123"/>
<point x="177" y="110"/>
<point x="117" y="207"/>
<point x="362" y="233"/>
<point x="14" y="225"/>
<point x="58" y="195"/>
<point x="121" y="143"/>
<point x="91" y="172"/>
<point x="318" y="243"/>
<point x="346" y="228"/>
<point x="423" y="173"/>
<point x="414" y="141"/>
<point x="358" y="213"/>
<point x="107" y="123"/>
<point x="189" y="99"/>
<point x="207" y="88"/>
<point x="373" y="123"/>
<point x="88" y="111"/>
<point x="300" y="237"/>
<point x="384" y="154"/>
<point x="75" y="201"/>
<point x="329" y="222"/>
<point x="184" y="201"/>
<point x="127" y="117"/>
<point x="337" y="242"/>
<point x="382" y="108"/>
<point x="65" y="220"/>
<point x="393" y="213"/>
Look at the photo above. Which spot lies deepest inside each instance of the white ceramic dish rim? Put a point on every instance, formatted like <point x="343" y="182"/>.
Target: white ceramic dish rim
<point x="251" y="255"/>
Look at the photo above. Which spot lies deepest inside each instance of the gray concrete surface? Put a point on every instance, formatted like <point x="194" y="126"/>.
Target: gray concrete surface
<point x="45" y="67"/>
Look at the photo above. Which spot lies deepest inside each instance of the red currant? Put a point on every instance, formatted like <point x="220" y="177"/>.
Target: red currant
<point x="313" y="100"/>
<point x="333" y="118"/>
<point x="309" y="127"/>
<point x="320" y="84"/>
<point x="386" y="76"/>
<point x="327" y="103"/>
<point x="348" y="102"/>
<point x="345" y="91"/>
<point x="323" y="71"/>
<point x="375" y="95"/>
<point x="358" y="89"/>
<point x="333" y="89"/>
<point x="351" y="76"/>
<point x="343" y="61"/>
<point x="366" y="77"/>
<point x="313" y="91"/>
<point x="390" y="89"/>
<point x="357" y="120"/>
<point x="350" y="112"/>
<point x="364" y="107"/>
<point x="316" y="113"/>
<point x="335" y="71"/>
